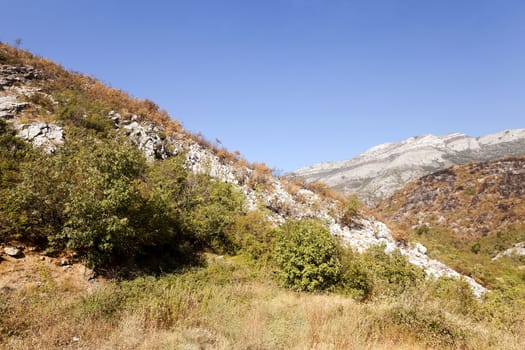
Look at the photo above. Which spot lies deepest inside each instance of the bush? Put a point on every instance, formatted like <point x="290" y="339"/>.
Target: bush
<point x="375" y="273"/>
<point x="253" y="235"/>
<point x="217" y="204"/>
<point x="13" y="153"/>
<point x="307" y="255"/>
<point x="350" y="210"/>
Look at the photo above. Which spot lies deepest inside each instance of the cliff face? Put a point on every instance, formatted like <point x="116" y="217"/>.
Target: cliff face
<point x="384" y="169"/>
<point x="472" y="200"/>
<point x="35" y="98"/>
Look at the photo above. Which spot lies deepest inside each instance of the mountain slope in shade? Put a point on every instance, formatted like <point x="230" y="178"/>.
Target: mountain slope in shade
<point x="384" y="169"/>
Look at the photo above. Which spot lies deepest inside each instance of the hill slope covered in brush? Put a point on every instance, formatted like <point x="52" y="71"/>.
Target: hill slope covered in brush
<point x="184" y="244"/>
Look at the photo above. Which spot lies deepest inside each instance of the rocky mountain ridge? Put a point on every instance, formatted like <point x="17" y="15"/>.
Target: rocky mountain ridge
<point x="384" y="169"/>
<point x="157" y="142"/>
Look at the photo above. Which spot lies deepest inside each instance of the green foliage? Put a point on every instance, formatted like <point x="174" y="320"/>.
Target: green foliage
<point x="470" y="191"/>
<point x="350" y="210"/>
<point x="102" y="200"/>
<point x="216" y="206"/>
<point x="104" y="203"/>
<point x="13" y="153"/>
<point x="76" y="109"/>
<point x="202" y="207"/>
<point x="422" y="230"/>
<point x="430" y="325"/>
<point x="375" y="273"/>
<point x="306" y="252"/>
<point x="253" y="235"/>
<point x="455" y="295"/>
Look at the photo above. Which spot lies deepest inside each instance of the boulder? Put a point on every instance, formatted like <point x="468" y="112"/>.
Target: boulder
<point x="9" y="106"/>
<point x="44" y="135"/>
<point x="13" y="252"/>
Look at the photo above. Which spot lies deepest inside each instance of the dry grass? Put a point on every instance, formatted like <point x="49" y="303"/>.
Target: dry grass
<point x="227" y="305"/>
<point x="324" y="191"/>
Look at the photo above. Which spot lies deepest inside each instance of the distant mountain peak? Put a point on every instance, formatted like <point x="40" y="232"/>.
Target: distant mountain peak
<point x="383" y="169"/>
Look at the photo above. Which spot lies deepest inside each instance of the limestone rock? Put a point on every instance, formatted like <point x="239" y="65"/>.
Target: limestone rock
<point x="518" y="249"/>
<point x="12" y="75"/>
<point x="45" y="135"/>
<point x="9" y="106"/>
<point x="146" y="136"/>
<point x="375" y="233"/>
<point x="13" y="252"/>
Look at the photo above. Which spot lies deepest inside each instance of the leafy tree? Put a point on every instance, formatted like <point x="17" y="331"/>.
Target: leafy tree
<point x="13" y="153"/>
<point x="307" y="255"/>
<point x="105" y="206"/>
<point x="253" y="234"/>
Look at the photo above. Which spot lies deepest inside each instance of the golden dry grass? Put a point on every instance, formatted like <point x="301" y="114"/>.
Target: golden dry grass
<point x="227" y="305"/>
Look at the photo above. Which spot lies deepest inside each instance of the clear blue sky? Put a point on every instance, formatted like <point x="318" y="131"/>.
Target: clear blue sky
<point x="295" y="82"/>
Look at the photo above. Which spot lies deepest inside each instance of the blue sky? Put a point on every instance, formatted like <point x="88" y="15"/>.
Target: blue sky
<point x="295" y="82"/>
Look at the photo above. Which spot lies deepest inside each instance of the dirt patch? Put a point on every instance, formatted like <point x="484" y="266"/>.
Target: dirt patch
<point x="33" y="268"/>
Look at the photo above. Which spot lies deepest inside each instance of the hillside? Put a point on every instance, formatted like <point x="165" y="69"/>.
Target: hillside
<point x="384" y="169"/>
<point x="471" y="200"/>
<point x="119" y="229"/>
<point x="469" y="216"/>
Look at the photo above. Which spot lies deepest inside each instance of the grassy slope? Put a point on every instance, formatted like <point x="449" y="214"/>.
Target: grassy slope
<point x="230" y="304"/>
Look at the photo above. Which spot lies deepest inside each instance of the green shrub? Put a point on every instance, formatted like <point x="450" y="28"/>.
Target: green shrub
<point x="351" y="209"/>
<point x="307" y="255"/>
<point x="252" y="235"/>
<point x="75" y="108"/>
<point x="456" y="295"/>
<point x="429" y="325"/>
<point x="216" y="206"/>
<point x="375" y="273"/>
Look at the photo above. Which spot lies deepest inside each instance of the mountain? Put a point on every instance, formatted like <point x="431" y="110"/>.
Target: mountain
<point x="384" y="169"/>
<point x="472" y="200"/>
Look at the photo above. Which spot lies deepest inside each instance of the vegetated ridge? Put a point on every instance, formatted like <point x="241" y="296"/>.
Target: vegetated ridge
<point x="384" y="169"/>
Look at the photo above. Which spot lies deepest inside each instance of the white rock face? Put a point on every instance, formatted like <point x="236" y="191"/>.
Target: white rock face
<point x="384" y="169"/>
<point x="9" y="106"/>
<point x="518" y="249"/>
<point x="375" y="233"/>
<point x="44" y="135"/>
<point x="145" y="136"/>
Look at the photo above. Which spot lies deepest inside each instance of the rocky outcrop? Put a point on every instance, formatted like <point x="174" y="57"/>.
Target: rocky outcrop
<point x="384" y="169"/>
<point x="13" y="252"/>
<point x="14" y="75"/>
<point x="146" y="136"/>
<point x="518" y="250"/>
<point x="10" y="106"/>
<point x="45" y="135"/>
<point x="373" y="232"/>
